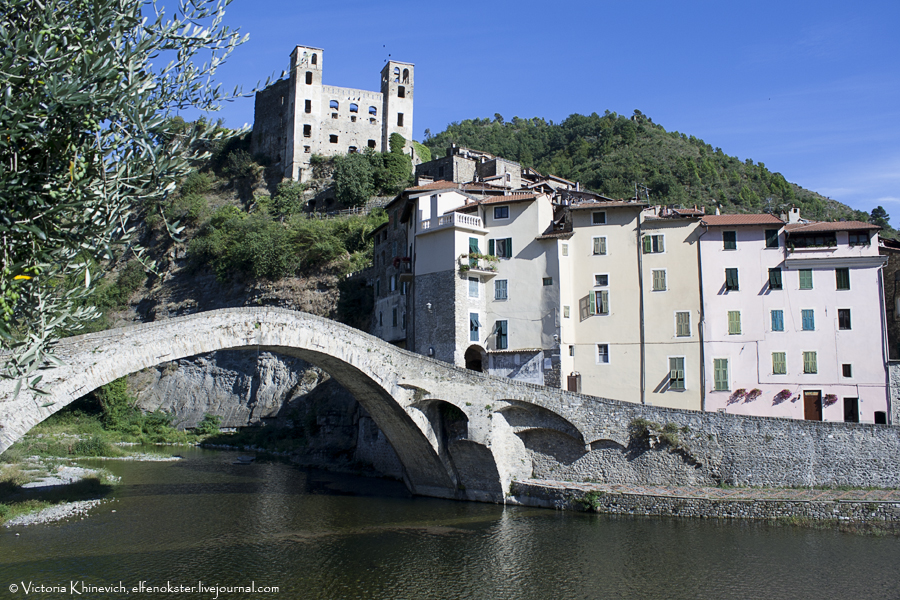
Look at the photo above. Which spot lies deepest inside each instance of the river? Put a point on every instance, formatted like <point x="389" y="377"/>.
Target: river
<point x="314" y="534"/>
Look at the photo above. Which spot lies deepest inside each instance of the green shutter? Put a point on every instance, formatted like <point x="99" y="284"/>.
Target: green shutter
<point x="491" y="247"/>
<point x="809" y="363"/>
<point x="676" y="373"/>
<point x="662" y="243"/>
<point x="734" y="322"/>
<point x="683" y="324"/>
<point x="779" y="363"/>
<point x="720" y="373"/>
<point x="508" y="247"/>
<point x="648" y="248"/>
<point x="843" y="278"/>
<point x="604" y="303"/>
<point x="473" y="245"/>
<point x="806" y="280"/>
<point x="775" y="279"/>
<point x="593" y="303"/>
<point x="659" y="280"/>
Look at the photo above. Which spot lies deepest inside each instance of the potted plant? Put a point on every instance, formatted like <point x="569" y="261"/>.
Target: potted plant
<point x="737" y="396"/>
<point x="753" y="395"/>
<point x="782" y="396"/>
<point x="829" y="399"/>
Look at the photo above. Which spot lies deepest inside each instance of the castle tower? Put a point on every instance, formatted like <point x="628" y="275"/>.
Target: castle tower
<point x="306" y="80"/>
<point x="397" y="91"/>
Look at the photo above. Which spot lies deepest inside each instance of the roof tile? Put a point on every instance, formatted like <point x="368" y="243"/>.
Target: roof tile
<point x="736" y="220"/>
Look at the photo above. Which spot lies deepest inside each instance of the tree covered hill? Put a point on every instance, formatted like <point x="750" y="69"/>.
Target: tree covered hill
<point x="610" y="153"/>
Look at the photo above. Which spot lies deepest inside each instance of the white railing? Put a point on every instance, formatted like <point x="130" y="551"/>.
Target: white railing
<point x="450" y="220"/>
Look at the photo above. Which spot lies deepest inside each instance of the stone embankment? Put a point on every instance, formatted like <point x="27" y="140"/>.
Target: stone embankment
<point x="854" y="506"/>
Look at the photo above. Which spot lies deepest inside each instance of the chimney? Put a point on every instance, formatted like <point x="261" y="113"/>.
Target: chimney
<point x="794" y="215"/>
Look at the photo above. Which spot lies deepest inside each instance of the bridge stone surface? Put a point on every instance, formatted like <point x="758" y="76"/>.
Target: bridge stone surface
<point x="499" y="431"/>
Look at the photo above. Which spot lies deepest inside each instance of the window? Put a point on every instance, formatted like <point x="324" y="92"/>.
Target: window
<point x="598" y="218"/>
<point x="393" y="283"/>
<point x="377" y="287"/>
<point x="354" y="108"/>
<point x="306" y="149"/>
<point x="334" y="105"/>
<point x="847" y="370"/>
<point x="779" y="363"/>
<point x="602" y="354"/>
<point x="403" y="322"/>
<point x="775" y="279"/>
<point x="500" y="248"/>
<point x="809" y="363"/>
<point x="659" y="280"/>
<point x="599" y="302"/>
<point x="405" y="75"/>
<point x="547" y="281"/>
<point x="394" y="251"/>
<point x="777" y="320"/>
<point x="601" y="280"/>
<point x="808" y="318"/>
<point x="571" y="350"/>
<point x="473" y="287"/>
<point x="401" y="92"/>
<point x="720" y="374"/>
<point x="729" y="240"/>
<point x="843" y="278"/>
<point x="404" y="288"/>
<point x="731" y="280"/>
<point x="676" y="373"/>
<point x="566" y="312"/>
<point x="771" y="238"/>
<point x="373" y="111"/>
<point x="565" y="249"/>
<point x="812" y="240"/>
<point x="843" y="318"/>
<point x="394" y="317"/>
<point x="502" y="335"/>
<point x="307" y="106"/>
<point x="734" y="322"/>
<point x="500" y="289"/>
<point x="474" y="324"/>
<point x="333" y="139"/>
<point x="399" y="119"/>
<point x="805" y="279"/>
<point x="315" y="58"/>
<point x="859" y="239"/>
<point x="371" y="144"/>
<point x="307" y="131"/>
<point x="851" y="410"/>
<point x="683" y="324"/>
<point x="309" y="78"/>
<point x="501" y="212"/>
<point x="599" y="245"/>
<point x="654" y="244"/>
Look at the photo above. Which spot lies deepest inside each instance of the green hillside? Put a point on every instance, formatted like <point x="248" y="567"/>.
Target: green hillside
<point x="610" y="153"/>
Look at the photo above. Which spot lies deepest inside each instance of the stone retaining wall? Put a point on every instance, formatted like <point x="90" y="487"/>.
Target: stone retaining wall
<point x="562" y="497"/>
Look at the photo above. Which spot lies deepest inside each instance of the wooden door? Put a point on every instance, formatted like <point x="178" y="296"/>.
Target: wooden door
<point x="572" y="383"/>
<point x="812" y="405"/>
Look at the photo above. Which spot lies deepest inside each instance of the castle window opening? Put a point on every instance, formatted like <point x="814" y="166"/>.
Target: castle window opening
<point x="399" y="119"/>
<point x="401" y="92"/>
<point x="354" y="108"/>
<point x="396" y="74"/>
<point x="309" y="78"/>
<point x="307" y="131"/>
<point x="373" y="111"/>
<point x="334" y="115"/>
<point x="306" y="149"/>
<point x="333" y="139"/>
<point x="351" y="149"/>
<point x="307" y="107"/>
<point x="353" y="119"/>
<point x="333" y="105"/>
<point x="372" y="144"/>
<point x="405" y="75"/>
<point x="372" y="121"/>
<point x="315" y="58"/>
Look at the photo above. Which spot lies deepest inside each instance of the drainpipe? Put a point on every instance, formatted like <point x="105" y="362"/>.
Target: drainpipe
<point x="701" y="325"/>
<point x="640" y="248"/>
<point x="885" y="348"/>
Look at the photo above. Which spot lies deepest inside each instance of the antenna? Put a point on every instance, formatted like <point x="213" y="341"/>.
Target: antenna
<point x="643" y="190"/>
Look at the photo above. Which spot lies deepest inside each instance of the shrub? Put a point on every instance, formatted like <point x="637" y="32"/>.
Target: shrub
<point x="288" y="199"/>
<point x="93" y="446"/>
<point x="239" y="164"/>
<point x="353" y="179"/>
<point x="195" y="183"/>
<point x="209" y="425"/>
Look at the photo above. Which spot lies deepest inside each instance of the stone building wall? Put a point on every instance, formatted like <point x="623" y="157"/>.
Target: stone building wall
<point x="436" y="328"/>
<point x="272" y="121"/>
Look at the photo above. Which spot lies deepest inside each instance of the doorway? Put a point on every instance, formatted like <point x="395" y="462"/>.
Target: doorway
<point x="812" y="405"/>
<point x="474" y="358"/>
<point x="851" y="410"/>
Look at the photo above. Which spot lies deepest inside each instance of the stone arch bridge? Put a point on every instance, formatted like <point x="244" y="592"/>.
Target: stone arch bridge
<point x="462" y="434"/>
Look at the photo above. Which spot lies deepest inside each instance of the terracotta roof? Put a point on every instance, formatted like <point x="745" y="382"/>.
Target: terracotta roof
<point x="737" y="220"/>
<point x="565" y="233"/>
<point x="817" y="226"/>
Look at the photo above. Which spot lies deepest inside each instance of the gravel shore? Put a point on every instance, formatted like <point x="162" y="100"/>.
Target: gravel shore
<point x="55" y="513"/>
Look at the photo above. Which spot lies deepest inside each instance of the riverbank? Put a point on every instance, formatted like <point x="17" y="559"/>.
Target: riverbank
<point x="851" y="509"/>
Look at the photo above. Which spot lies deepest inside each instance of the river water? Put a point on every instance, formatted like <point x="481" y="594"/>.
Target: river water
<point x="315" y="534"/>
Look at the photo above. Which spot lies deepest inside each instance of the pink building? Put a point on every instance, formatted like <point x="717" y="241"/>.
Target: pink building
<point x="793" y="322"/>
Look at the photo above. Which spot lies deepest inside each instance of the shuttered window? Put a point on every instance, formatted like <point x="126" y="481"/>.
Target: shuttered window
<point x="720" y="374"/>
<point x="734" y="322"/>
<point x="502" y="335"/>
<point x="806" y="282"/>
<point x="683" y="324"/>
<point x="809" y="363"/>
<point x="600" y="302"/>
<point x="676" y="373"/>
<point x="771" y="238"/>
<point x="599" y="245"/>
<point x="779" y="363"/>
<point x="501" y="248"/>
<point x="809" y="319"/>
<point x="654" y="244"/>
<point x="659" y="280"/>
<point x="729" y="240"/>
<point x="777" y="320"/>
<point x="843" y="278"/>
<point x="731" y="280"/>
<point x="775" y="279"/>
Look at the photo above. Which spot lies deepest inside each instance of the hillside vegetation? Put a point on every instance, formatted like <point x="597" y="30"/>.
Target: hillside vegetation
<point x="610" y="153"/>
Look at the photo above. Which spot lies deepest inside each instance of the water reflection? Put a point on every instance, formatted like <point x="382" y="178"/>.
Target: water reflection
<point x="321" y="535"/>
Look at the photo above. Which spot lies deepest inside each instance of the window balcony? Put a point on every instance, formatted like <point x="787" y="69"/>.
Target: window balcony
<point x="457" y="220"/>
<point x="478" y="264"/>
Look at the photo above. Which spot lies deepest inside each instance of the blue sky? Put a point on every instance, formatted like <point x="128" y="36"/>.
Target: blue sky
<point x="812" y="89"/>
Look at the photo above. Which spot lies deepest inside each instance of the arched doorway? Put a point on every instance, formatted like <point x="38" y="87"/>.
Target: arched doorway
<point x="475" y="358"/>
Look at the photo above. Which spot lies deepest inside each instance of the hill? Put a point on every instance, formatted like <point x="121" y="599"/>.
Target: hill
<point x="610" y="153"/>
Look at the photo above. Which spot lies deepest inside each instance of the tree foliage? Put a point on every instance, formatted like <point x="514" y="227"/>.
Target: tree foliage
<point x="610" y="153"/>
<point x="87" y="142"/>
